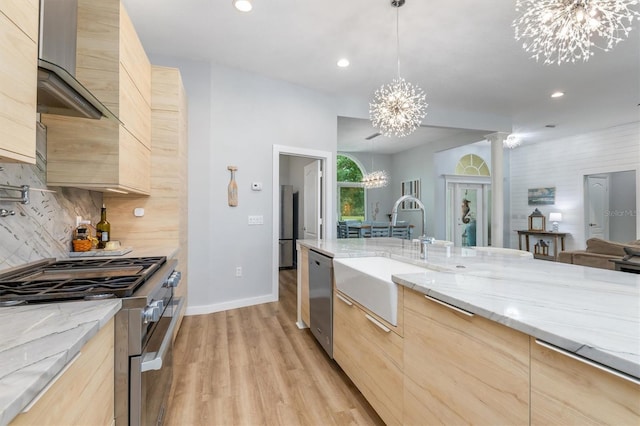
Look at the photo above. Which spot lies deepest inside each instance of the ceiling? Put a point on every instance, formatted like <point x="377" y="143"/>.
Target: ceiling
<point x="462" y="53"/>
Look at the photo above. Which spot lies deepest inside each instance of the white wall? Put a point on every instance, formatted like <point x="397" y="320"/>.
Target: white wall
<point x="562" y="164"/>
<point x="235" y="118"/>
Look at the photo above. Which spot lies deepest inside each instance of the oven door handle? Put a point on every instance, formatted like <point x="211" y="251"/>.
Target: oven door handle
<point x="153" y="360"/>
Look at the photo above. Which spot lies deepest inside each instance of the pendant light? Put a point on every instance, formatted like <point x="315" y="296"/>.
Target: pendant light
<point x="375" y="178"/>
<point x="399" y="107"/>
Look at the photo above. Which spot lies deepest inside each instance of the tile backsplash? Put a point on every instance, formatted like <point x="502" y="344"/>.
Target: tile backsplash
<point x="43" y="228"/>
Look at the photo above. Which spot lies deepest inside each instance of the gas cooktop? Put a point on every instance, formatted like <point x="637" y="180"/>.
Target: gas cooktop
<point x="51" y="280"/>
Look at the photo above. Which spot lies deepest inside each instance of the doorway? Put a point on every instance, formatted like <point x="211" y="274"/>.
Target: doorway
<point x="610" y="206"/>
<point x="324" y="200"/>
<point x="468" y="214"/>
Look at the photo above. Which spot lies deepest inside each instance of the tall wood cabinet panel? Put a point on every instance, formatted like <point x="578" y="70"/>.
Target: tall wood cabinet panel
<point x="164" y="223"/>
<point x="460" y="369"/>
<point x="82" y="395"/>
<point x="18" y="80"/>
<point x="303" y="268"/>
<point x="567" y="391"/>
<point x="104" y="154"/>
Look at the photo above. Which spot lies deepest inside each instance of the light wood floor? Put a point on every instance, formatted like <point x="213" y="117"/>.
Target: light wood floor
<point x="253" y="366"/>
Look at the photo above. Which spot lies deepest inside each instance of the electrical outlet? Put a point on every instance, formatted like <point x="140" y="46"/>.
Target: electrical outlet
<point x="238" y="271"/>
<point x="256" y="220"/>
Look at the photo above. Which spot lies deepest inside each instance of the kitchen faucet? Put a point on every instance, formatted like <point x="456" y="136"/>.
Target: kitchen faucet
<point x="424" y="240"/>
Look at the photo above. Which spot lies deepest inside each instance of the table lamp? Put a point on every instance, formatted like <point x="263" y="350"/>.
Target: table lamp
<point x="555" y="217"/>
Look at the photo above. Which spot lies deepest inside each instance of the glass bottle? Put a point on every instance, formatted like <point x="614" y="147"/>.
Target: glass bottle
<point x="103" y="229"/>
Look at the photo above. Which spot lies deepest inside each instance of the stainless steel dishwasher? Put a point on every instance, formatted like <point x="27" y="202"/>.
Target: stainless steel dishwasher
<point x="321" y="299"/>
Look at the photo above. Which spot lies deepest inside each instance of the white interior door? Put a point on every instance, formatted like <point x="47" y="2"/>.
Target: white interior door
<point x="467" y="214"/>
<point x="312" y="204"/>
<point x="596" y="206"/>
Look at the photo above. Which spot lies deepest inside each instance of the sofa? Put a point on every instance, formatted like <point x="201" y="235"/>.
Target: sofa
<point x="598" y="253"/>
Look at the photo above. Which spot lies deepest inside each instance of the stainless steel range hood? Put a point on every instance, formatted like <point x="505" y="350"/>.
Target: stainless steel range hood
<point x="58" y="90"/>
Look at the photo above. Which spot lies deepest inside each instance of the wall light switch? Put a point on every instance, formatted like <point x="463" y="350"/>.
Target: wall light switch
<point x="256" y="220"/>
<point x="138" y="212"/>
<point x="256" y="186"/>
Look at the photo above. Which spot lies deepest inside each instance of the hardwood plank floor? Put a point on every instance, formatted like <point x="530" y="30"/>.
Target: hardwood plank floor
<point x="253" y="366"/>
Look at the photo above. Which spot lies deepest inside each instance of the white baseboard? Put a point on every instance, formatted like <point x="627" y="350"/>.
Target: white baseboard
<point x="233" y="304"/>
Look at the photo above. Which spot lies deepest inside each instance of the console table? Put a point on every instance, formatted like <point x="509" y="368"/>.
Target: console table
<point x="626" y="266"/>
<point x="555" y="236"/>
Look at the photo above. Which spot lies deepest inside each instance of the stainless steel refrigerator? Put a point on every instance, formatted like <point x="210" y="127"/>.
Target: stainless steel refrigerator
<point x="286" y="226"/>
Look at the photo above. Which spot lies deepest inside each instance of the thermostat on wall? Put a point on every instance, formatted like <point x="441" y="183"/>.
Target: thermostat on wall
<point x="138" y="212"/>
<point x="256" y="186"/>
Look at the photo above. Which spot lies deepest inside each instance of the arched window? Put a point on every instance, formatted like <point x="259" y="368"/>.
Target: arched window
<point x="472" y="165"/>
<point x="351" y="193"/>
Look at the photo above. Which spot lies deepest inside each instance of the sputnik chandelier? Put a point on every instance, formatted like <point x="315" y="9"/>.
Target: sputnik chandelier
<point x="512" y="141"/>
<point x="375" y="178"/>
<point x="399" y="107"/>
<point x="567" y="30"/>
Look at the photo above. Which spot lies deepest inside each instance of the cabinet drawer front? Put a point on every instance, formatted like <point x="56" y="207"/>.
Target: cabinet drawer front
<point x="135" y="112"/>
<point x="18" y="74"/>
<point x="371" y="357"/>
<point x="133" y="57"/>
<point x="567" y="391"/>
<point x="462" y="369"/>
<point x="135" y="163"/>
<point x="24" y="14"/>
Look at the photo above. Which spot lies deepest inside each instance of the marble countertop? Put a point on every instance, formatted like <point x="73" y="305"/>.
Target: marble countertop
<point x="36" y="343"/>
<point x="38" y="340"/>
<point x="593" y="313"/>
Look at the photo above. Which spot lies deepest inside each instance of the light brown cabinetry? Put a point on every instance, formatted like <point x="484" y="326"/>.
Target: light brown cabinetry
<point x="105" y="154"/>
<point x="164" y="223"/>
<point x="462" y="369"/>
<point x="18" y="80"/>
<point x="565" y="390"/>
<point x="303" y="268"/>
<point x="83" y="394"/>
<point x="370" y="352"/>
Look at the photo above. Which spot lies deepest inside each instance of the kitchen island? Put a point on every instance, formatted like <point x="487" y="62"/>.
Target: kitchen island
<point x="525" y="310"/>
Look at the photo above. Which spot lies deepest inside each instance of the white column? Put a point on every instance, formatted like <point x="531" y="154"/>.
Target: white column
<point x="497" y="188"/>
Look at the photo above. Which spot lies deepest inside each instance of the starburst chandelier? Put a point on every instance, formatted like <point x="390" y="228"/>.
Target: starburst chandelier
<point x="512" y="141"/>
<point x="567" y="30"/>
<point x="376" y="178"/>
<point x="398" y="108"/>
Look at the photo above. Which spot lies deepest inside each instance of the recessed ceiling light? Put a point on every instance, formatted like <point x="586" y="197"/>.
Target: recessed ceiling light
<point x="557" y="94"/>
<point x="343" y="63"/>
<point x="243" y="5"/>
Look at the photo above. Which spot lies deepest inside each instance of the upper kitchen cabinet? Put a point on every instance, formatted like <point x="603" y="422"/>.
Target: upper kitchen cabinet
<point x="18" y="80"/>
<point x="106" y="155"/>
<point x="164" y="223"/>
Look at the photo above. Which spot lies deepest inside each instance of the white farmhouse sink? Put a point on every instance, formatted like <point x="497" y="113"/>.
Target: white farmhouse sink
<point x="367" y="280"/>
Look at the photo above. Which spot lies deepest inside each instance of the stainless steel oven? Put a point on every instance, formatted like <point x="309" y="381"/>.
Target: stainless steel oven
<point x="144" y="349"/>
<point x="152" y="371"/>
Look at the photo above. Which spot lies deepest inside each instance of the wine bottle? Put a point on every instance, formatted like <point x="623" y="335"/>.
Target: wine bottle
<point x="103" y="229"/>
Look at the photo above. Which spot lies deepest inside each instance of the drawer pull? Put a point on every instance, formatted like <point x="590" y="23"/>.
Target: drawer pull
<point x="462" y="311"/>
<point x="378" y="323"/>
<point x="588" y="362"/>
<point x="344" y="299"/>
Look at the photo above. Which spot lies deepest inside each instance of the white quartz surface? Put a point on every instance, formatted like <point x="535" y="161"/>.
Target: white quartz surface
<point x="594" y="313"/>
<point x="37" y="341"/>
